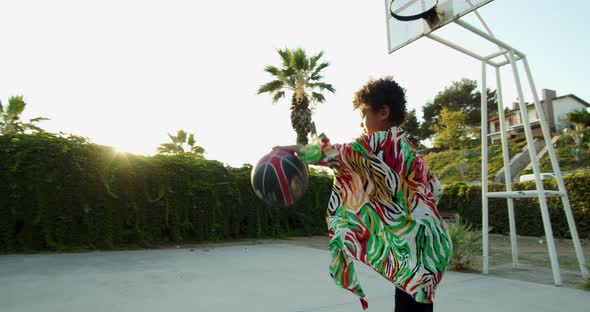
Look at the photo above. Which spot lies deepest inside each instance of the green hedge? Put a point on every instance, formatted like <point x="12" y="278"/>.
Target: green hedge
<point x="66" y="194"/>
<point x="466" y="201"/>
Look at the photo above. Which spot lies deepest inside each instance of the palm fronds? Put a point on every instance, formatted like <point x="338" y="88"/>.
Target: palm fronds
<point x="10" y="122"/>
<point x="299" y="74"/>
<point x="182" y="143"/>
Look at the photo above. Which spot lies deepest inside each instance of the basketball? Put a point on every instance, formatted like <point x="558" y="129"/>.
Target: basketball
<point x="280" y="178"/>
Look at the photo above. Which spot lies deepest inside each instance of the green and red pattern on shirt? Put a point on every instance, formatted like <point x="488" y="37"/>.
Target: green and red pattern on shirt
<point x="382" y="212"/>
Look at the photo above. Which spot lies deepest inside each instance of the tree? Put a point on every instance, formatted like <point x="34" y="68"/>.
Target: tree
<point x="301" y="75"/>
<point x="578" y="121"/>
<point x="578" y="117"/>
<point x="460" y="96"/>
<point x="451" y="131"/>
<point x="412" y="127"/>
<point x="10" y="122"/>
<point x="182" y="143"/>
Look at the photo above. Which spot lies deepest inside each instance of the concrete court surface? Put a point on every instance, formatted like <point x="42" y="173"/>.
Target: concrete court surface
<point x="254" y="277"/>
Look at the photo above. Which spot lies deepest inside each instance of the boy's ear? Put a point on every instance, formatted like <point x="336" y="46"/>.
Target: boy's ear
<point x="384" y="112"/>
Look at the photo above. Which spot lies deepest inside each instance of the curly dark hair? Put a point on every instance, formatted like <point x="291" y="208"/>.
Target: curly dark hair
<point x="383" y="92"/>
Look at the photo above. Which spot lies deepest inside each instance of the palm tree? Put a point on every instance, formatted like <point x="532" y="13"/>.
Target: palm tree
<point x="182" y="143"/>
<point x="10" y="122"/>
<point x="300" y="75"/>
<point x="578" y="122"/>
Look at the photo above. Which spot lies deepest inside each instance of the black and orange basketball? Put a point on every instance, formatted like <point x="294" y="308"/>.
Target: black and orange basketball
<point x="280" y="178"/>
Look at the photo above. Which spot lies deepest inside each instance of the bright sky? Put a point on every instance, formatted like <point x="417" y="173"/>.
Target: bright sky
<point x="126" y="73"/>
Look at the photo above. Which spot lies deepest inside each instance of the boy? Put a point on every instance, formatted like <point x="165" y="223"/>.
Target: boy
<point x="382" y="210"/>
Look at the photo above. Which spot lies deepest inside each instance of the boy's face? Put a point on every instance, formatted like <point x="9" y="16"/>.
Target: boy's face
<point x="374" y="121"/>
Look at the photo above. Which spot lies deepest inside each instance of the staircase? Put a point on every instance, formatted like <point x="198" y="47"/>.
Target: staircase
<point x="521" y="160"/>
<point x="543" y="152"/>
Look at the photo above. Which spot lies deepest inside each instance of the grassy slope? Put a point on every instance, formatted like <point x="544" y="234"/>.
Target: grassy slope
<point x="456" y="166"/>
<point x="448" y="165"/>
<point x="567" y="162"/>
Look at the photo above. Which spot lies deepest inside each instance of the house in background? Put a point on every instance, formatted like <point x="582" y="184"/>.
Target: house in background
<point x="555" y="108"/>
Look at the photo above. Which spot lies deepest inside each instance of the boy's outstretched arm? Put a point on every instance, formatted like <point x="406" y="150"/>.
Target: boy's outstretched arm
<point x="291" y="148"/>
<point x="320" y="152"/>
<point x="310" y="154"/>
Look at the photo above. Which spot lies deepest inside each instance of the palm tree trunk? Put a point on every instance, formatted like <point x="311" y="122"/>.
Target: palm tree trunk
<point x="301" y="119"/>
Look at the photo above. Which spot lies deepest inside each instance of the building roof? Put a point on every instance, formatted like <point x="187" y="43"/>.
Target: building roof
<point x="510" y="111"/>
<point x="575" y="98"/>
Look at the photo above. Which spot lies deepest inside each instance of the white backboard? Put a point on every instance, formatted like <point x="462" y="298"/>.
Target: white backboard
<point x="401" y="33"/>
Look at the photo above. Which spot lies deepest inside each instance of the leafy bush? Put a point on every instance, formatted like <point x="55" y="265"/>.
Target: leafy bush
<point x="466" y="244"/>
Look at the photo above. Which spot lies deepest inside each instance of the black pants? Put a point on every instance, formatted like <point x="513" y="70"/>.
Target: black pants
<point x="405" y="303"/>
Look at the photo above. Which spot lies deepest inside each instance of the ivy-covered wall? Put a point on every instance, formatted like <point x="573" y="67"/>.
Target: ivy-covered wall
<point x="466" y="200"/>
<point x="65" y="194"/>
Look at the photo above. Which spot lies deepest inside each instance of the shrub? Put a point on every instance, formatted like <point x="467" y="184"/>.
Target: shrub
<point x="466" y="244"/>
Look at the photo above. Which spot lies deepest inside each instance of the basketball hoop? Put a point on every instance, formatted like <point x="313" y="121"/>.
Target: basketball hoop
<point x="410" y="20"/>
<point x="404" y="27"/>
<point x="410" y="10"/>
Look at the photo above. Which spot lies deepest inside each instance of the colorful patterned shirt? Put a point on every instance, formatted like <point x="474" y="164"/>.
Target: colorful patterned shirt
<point x="382" y="212"/>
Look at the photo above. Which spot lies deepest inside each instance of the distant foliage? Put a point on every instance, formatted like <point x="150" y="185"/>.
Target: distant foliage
<point x="183" y="143"/>
<point x="413" y="128"/>
<point x="451" y="131"/>
<point x="65" y="194"/>
<point x="10" y="117"/>
<point x="578" y="117"/>
<point x="578" y="121"/>
<point x="463" y="96"/>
